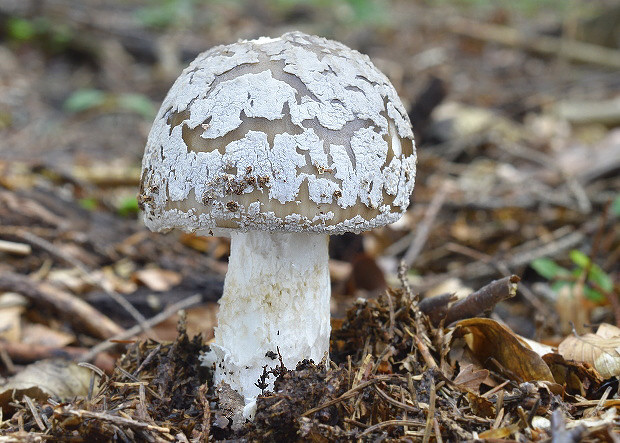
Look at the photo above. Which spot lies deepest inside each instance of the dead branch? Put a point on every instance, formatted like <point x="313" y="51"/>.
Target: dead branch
<point x="115" y="419"/>
<point x="350" y="393"/>
<point x="483" y="299"/>
<point x="423" y="229"/>
<point x="137" y="329"/>
<point x="86" y="272"/>
<point x="541" y="44"/>
<point x="436" y="307"/>
<point x="77" y="312"/>
<point x="15" y="248"/>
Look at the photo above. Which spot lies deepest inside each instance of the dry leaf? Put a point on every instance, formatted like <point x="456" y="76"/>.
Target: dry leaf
<point x="539" y="348"/>
<point x="471" y="378"/>
<point x="573" y="308"/>
<point x="12" y="306"/>
<point x="576" y="377"/>
<point x="488" y="340"/>
<point x="72" y="279"/>
<point x="157" y="279"/>
<point x="38" y="334"/>
<point x="500" y="433"/>
<point x="606" y="330"/>
<point x="47" y="378"/>
<point x="602" y="353"/>
<point x="480" y="406"/>
<point x="198" y="320"/>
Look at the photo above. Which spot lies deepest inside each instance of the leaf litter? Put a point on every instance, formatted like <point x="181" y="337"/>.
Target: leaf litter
<point x="507" y="181"/>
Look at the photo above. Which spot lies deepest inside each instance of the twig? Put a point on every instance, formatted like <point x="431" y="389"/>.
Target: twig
<point x="426" y="354"/>
<point x="33" y="411"/>
<point x="423" y="229"/>
<point x="483" y="268"/>
<point x="387" y="423"/>
<point x="436" y="307"/>
<point x="395" y="402"/>
<point x="437" y="430"/>
<point x="15" y="248"/>
<point x="206" y="413"/>
<point x="76" y="311"/>
<point x="350" y="393"/>
<point x="392" y="318"/>
<point x="430" y="414"/>
<point x="86" y="272"/>
<point x="502" y="267"/>
<point x="135" y="330"/>
<point x="26" y="352"/>
<point x="542" y="44"/>
<point x="483" y="299"/>
<point x="115" y="419"/>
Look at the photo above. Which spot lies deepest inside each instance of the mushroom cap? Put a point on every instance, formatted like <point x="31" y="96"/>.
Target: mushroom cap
<point x="296" y="133"/>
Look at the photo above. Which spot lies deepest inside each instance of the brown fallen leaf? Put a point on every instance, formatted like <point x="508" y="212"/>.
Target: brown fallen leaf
<point x="157" y="279"/>
<point x="487" y="339"/>
<point x="47" y="378"/>
<point x="471" y="378"/>
<point x="38" y="334"/>
<point x="602" y="353"/>
<point x="480" y="406"/>
<point x="576" y="377"/>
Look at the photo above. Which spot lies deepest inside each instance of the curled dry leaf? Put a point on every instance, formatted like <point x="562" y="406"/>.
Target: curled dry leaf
<point x="606" y="330"/>
<point x="576" y="377"/>
<point x="488" y="340"/>
<point x="601" y="350"/>
<point x="47" y="378"/>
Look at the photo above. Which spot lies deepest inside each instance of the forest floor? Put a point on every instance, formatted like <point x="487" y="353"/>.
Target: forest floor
<point x="491" y="310"/>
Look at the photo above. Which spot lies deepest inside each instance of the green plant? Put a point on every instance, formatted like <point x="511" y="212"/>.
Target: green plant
<point x="361" y="12"/>
<point x="91" y="99"/>
<point x="50" y="35"/>
<point x="88" y="203"/>
<point x="165" y="13"/>
<point x="596" y="282"/>
<point x="615" y="206"/>
<point x="128" y="206"/>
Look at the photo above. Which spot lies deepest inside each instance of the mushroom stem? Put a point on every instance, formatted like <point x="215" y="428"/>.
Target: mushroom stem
<point x="276" y="296"/>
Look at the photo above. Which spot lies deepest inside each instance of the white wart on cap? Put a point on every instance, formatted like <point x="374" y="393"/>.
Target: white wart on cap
<point x="297" y="133"/>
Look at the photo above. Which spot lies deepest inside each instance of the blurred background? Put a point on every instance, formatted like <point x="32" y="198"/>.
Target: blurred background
<point x="515" y="106"/>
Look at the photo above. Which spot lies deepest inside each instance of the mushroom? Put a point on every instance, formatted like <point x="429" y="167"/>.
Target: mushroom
<point x="277" y="143"/>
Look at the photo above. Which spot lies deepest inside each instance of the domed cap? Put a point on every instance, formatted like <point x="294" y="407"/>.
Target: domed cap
<point x="297" y="133"/>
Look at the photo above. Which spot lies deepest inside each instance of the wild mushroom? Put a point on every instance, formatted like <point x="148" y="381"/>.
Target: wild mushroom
<point x="277" y="142"/>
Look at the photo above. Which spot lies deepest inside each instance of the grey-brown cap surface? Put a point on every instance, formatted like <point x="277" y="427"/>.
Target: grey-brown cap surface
<point x="296" y="133"/>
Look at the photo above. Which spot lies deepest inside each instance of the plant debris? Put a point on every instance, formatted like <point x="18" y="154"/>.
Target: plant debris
<point x="501" y="325"/>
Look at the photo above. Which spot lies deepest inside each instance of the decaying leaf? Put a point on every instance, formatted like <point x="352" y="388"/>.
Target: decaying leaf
<point x="576" y="377"/>
<point x="488" y="340"/>
<point x="471" y="377"/>
<point x="480" y="406"/>
<point x="38" y="334"/>
<point x="47" y="378"/>
<point x="601" y="350"/>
